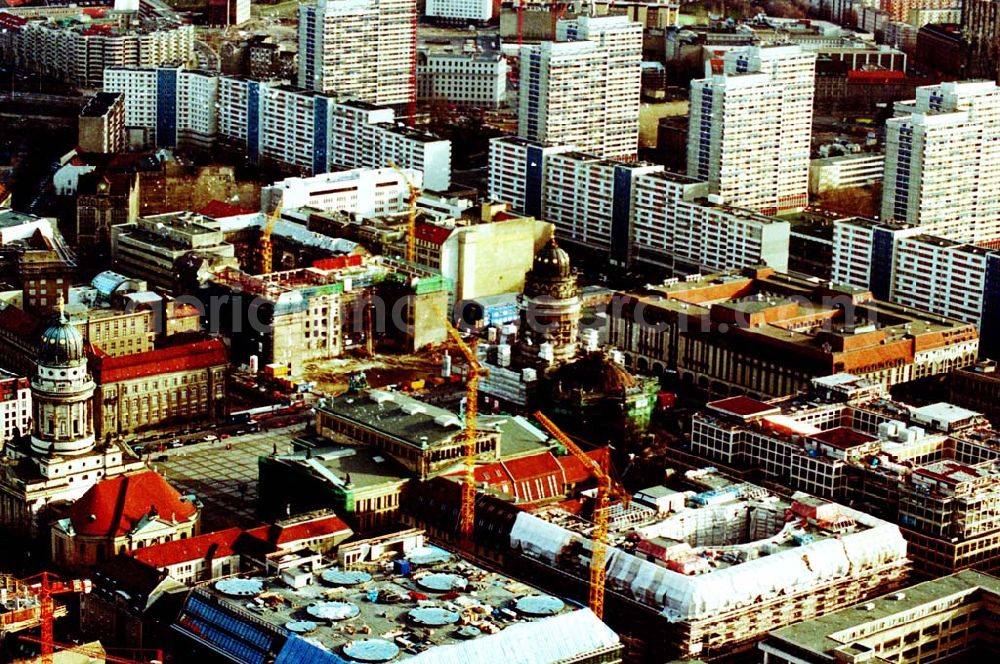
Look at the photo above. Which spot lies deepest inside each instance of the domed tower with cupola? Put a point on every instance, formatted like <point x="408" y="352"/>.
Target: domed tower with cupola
<point x="62" y="393"/>
<point x="549" y="310"/>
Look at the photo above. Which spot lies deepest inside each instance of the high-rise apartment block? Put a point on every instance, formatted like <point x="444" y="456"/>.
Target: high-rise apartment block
<point x="584" y="92"/>
<point x="981" y="31"/>
<point x="750" y="128"/>
<point x="902" y="263"/>
<point x="940" y="161"/>
<point x="175" y="106"/>
<point x="298" y="129"/>
<point x="359" y="49"/>
<point x="632" y="211"/>
<point x="622" y="39"/>
<point x="78" y="51"/>
<point x="101" y="127"/>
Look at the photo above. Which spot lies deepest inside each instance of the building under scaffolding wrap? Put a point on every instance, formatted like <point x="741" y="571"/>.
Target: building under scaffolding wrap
<point x="722" y="567"/>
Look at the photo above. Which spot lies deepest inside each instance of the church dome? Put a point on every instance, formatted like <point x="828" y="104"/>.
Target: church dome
<point x="552" y="262"/>
<point x="61" y="344"/>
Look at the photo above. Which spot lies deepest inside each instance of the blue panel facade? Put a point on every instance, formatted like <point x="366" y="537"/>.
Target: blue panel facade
<point x="166" y="108"/>
<point x="533" y="183"/>
<point x="242" y="641"/>
<point x="880" y="281"/>
<point x="320" y="131"/>
<point x="253" y="120"/>
<point x="299" y="651"/>
<point x="621" y="216"/>
<point x="989" y="327"/>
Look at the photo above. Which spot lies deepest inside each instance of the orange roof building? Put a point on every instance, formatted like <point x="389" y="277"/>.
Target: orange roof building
<point x="122" y="514"/>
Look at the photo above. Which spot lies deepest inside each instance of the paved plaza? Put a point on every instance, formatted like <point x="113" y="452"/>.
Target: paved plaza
<point x="225" y="480"/>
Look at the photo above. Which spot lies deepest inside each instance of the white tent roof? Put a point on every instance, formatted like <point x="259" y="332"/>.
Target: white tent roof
<point x="556" y="639"/>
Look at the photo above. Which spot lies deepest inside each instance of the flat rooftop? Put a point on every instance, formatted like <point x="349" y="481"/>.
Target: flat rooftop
<point x="944" y="413"/>
<point x="396" y="415"/>
<point x="361" y="467"/>
<point x="679" y="563"/>
<point x="821" y="636"/>
<point x="798" y="311"/>
<point x="445" y="601"/>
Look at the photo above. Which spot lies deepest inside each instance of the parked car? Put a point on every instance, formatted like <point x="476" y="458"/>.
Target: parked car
<point x="210" y="438"/>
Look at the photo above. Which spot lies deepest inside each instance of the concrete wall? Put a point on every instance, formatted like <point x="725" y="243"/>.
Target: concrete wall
<point x="493" y="258"/>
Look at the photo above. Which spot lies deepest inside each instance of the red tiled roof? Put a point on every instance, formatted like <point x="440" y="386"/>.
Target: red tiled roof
<point x="432" y="233"/>
<point x="536" y="477"/>
<point x="209" y="546"/>
<point x="114" y="506"/>
<point x="741" y="406"/>
<point x="218" y="209"/>
<point x="526" y="469"/>
<point x="843" y="438"/>
<point x="575" y="471"/>
<point x="296" y="532"/>
<point x="185" y="357"/>
<point x="20" y="323"/>
<point x="8" y="20"/>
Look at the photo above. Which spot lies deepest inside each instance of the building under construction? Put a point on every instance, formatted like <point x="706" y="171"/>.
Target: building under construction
<point x="20" y="608"/>
<point x="704" y="571"/>
<point x="301" y="316"/>
<point x="708" y="572"/>
<point x="934" y="469"/>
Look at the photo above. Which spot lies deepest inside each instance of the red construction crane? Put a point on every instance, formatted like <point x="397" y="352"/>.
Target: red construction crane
<point x="90" y="651"/>
<point x="44" y="586"/>
<point x="558" y="10"/>
<point x="411" y="107"/>
<point x="520" y="24"/>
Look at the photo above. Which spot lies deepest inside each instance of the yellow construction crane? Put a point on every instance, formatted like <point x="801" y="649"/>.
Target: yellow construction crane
<point x="606" y="488"/>
<point x="467" y="514"/>
<point x="265" y="250"/>
<point x="411" y="222"/>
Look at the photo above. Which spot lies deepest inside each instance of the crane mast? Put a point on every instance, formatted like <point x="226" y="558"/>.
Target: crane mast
<point x="606" y="488"/>
<point x="266" y="248"/>
<point x="413" y="193"/>
<point x="467" y="514"/>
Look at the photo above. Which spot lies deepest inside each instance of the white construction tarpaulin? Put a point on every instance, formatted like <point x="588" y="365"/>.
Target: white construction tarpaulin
<point x="681" y="597"/>
<point x="560" y="638"/>
<point x="539" y="539"/>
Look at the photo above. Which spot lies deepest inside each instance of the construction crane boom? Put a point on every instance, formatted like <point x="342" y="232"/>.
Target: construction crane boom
<point x="606" y="488"/>
<point x="44" y="586"/>
<point x="557" y="10"/>
<point x="467" y="514"/>
<point x="88" y="651"/>
<point x="520" y="26"/>
<point x="266" y="248"/>
<point x="411" y="222"/>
